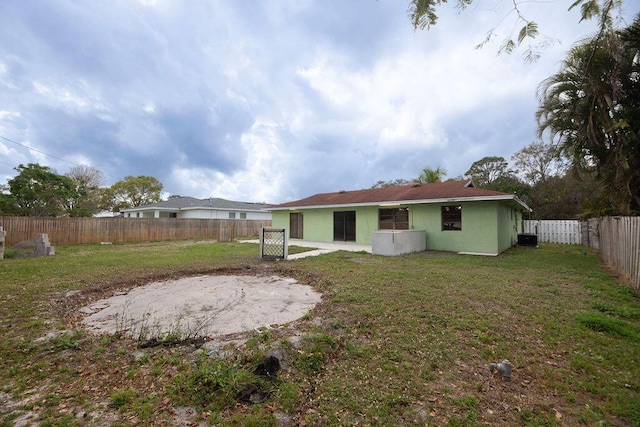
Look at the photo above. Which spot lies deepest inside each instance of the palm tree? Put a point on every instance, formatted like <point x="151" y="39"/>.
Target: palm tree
<point x="429" y="176"/>
<point x="591" y="110"/>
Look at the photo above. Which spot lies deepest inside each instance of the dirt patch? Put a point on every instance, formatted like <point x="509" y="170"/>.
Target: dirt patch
<point x="201" y="306"/>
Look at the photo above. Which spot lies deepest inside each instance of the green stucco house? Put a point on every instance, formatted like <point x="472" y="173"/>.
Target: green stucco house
<point x="454" y="215"/>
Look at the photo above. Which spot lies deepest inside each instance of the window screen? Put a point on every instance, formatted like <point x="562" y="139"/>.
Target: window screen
<point x="394" y="219"/>
<point x="452" y="217"/>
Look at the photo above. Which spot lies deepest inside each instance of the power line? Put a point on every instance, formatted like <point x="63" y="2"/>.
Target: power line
<point x="46" y="154"/>
<point x="41" y="152"/>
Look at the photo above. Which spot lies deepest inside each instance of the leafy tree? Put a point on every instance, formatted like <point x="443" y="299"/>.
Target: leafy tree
<point x="567" y="196"/>
<point x="393" y="183"/>
<point x="429" y="176"/>
<point x="423" y="15"/>
<point x="133" y="191"/>
<point x="6" y="204"/>
<point x="510" y="183"/>
<point x="87" y="181"/>
<point x="539" y="161"/>
<point x="591" y="108"/>
<point x="487" y="170"/>
<point x="38" y="191"/>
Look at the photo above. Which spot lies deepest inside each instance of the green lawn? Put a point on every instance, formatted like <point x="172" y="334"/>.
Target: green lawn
<point x="396" y="341"/>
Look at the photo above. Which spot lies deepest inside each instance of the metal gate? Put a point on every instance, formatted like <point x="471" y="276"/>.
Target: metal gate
<point x="273" y="243"/>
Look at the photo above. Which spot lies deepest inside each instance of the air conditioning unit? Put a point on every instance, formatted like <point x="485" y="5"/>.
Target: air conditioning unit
<point x="528" y="239"/>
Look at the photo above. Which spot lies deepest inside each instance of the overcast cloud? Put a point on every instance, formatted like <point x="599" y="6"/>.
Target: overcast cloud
<point x="266" y="101"/>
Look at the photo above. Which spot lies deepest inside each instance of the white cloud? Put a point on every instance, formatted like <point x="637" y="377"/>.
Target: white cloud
<point x="265" y="101"/>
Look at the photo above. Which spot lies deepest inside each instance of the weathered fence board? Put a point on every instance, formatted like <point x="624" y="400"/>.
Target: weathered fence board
<point x="555" y="231"/>
<point x="71" y="231"/>
<point x="617" y="239"/>
<point x="619" y="246"/>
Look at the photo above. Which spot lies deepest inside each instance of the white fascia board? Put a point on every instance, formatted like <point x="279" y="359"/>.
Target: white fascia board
<point x="410" y="202"/>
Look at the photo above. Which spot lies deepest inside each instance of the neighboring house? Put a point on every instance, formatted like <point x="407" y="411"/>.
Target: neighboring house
<point x="455" y="216"/>
<point x="190" y="207"/>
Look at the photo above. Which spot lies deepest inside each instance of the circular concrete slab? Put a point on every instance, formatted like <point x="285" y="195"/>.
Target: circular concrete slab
<point x="202" y="306"/>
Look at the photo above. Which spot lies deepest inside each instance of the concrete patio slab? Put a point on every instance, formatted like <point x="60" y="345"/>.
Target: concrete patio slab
<point x="321" y="247"/>
<point x="203" y="306"/>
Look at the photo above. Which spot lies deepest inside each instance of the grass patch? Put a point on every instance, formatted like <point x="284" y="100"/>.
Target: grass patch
<point x="601" y="323"/>
<point x="216" y="385"/>
<point x="120" y="399"/>
<point x="396" y="341"/>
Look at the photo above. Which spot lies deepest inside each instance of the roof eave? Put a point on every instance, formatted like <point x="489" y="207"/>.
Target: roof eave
<point x="507" y="197"/>
<point x="188" y="208"/>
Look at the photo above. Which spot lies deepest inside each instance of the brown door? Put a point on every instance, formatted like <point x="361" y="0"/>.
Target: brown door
<point x="344" y="226"/>
<point x="295" y="225"/>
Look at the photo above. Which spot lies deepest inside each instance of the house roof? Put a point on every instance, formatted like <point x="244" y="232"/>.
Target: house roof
<point x="188" y="203"/>
<point x="449" y="191"/>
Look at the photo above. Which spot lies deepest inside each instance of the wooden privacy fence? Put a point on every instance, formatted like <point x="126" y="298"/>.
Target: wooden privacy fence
<point x="617" y="239"/>
<point x="71" y="231"/>
<point x="619" y="246"/>
<point x="555" y="231"/>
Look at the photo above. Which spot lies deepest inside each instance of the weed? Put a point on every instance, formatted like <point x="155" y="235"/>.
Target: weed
<point x="466" y="402"/>
<point x="599" y="323"/>
<point x="619" y="311"/>
<point x="145" y="406"/>
<point x="66" y="342"/>
<point x="289" y="395"/>
<point x="34" y="324"/>
<point x="214" y="384"/>
<point x="316" y="349"/>
<point x="337" y="324"/>
<point x="64" y="421"/>
<point x="254" y="419"/>
<point x="531" y="419"/>
<point x="122" y="398"/>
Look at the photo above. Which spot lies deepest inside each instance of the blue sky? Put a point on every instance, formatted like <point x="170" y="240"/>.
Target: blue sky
<point x="267" y="101"/>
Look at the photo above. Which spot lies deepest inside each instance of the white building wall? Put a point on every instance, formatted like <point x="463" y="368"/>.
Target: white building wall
<point x="200" y="214"/>
<point x="220" y="214"/>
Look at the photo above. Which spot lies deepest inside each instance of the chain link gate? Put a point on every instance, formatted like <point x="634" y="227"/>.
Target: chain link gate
<point x="273" y="243"/>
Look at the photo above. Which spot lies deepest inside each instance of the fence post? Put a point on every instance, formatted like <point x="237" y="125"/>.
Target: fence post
<point x="2" y="237"/>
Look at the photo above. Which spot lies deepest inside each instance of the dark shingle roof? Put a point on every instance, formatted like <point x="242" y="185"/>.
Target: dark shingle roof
<point x="403" y="193"/>
<point x="181" y="203"/>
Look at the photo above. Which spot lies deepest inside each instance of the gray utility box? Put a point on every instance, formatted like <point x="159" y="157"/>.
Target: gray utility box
<point x="398" y="242"/>
<point x="528" y="239"/>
